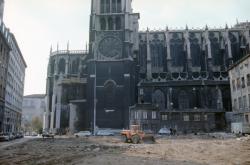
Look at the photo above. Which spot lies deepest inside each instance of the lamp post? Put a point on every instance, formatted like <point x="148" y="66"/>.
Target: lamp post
<point x="94" y="121"/>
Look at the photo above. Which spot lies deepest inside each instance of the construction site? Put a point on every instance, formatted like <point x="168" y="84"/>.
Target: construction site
<point x="210" y="149"/>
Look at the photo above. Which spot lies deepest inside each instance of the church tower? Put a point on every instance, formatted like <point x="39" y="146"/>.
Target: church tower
<point x="113" y="47"/>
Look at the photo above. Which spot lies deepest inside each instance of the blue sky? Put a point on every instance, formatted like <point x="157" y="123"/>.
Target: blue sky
<point x="38" y="24"/>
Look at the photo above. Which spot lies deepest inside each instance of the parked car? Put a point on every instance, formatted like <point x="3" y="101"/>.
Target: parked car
<point x="12" y="136"/>
<point x="19" y="135"/>
<point x="82" y="134"/>
<point x="34" y="134"/>
<point x="164" y="131"/>
<point x="105" y="133"/>
<point x="4" y="137"/>
<point x="48" y="135"/>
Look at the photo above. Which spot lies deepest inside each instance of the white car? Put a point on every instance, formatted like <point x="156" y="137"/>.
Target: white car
<point x="105" y="133"/>
<point x="164" y="131"/>
<point x="82" y="134"/>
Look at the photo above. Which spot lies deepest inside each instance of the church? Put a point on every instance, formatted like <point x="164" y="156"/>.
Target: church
<point x="170" y="78"/>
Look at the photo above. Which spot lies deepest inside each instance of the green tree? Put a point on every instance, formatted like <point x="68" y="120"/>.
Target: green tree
<point x="37" y="124"/>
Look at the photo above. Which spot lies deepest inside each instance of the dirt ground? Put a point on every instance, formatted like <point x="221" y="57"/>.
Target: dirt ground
<point x="181" y="150"/>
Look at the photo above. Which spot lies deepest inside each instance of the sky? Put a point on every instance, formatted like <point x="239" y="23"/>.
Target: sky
<point x="40" y="24"/>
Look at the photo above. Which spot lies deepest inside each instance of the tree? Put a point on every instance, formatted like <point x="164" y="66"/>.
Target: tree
<point x="37" y="124"/>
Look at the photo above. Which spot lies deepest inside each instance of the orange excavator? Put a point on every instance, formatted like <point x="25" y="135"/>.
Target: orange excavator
<point x="135" y="135"/>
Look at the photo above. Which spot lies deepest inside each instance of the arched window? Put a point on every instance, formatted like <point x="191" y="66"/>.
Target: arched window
<point x="75" y="66"/>
<point x="118" y="23"/>
<point x="157" y="53"/>
<point x="102" y="6"/>
<point x="158" y="99"/>
<point x="176" y="49"/>
<point x="235" y="46"/>
<point x="196" y="51"/>
<point x="110" y="23"/>
<point x="113" y="6"/>
<point x="52" y="67"/>
<point x="61" y="66"/>
<point x="107" y="6"/>
<point x="109" y="94"/>
<point x="103" y="24"/>
<point x="183" y="100"/>
<point x="119" y="6"/>
<point x="217" y="57"/>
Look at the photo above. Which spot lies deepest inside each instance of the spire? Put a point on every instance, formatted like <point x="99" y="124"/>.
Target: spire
<point x="167" y="28"/>
<point x="51" y="49"/>
<point x="226" y="26"/>
<point x="206" y="27"/>
<point x="57" y="46"/>
<point x="68" y="46"/>
<point x="186" y="27"/>
<point x="237" y="21"/>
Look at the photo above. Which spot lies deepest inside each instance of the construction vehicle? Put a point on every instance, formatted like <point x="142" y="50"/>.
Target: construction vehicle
<point x="135" y="135"/>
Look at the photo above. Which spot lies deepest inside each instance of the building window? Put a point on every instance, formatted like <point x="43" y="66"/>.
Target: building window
<point x="118" y="23"/>
<point x="249" y="100"/>
<point x="136" y="115"/>
<point x="107" y="6"/>
<point x="205" y="117"/>
<point x="248" y="80"/>
<point x="244" y="102"/>
<point x="119" y="6"/>
<point x="103" y="24"/>
<point x="153" y="114"/>
<point x="197" y="117"/>
<point x="61" y="66"/>
<point x="233" y="84"/>
<point x="246" y="118"/>
<point x="114" y="6"/>
<point x="158" y="99"/>
<point x="141" y="91"/>
<point x="164" y="117"/>
<point x="145" y="115"/>
<point x="235" y="104"/>
<point x="240" y="102"/>
<point x="186" y="117"/>
<point x="183" y="100"/>
<point x="243" y="85"/>
<point x="238" y="83"/>
<point x="110" y="23"/>
<point x="102" y="6"/>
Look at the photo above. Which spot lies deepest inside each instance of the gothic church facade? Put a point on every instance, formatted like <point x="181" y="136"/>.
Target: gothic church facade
<point x="170" y="78"/>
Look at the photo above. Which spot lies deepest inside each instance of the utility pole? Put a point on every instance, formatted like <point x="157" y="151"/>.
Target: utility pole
<point x="94" y="121"/>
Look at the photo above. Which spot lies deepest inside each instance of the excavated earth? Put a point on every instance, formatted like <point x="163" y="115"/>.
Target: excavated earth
<point x="181" y="150"/>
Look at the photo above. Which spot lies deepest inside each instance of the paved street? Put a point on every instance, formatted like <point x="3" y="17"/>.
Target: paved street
<point x="15" y="142"/>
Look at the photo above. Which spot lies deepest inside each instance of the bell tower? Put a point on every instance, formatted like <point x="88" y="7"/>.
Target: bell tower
<point x="113" y="46"/>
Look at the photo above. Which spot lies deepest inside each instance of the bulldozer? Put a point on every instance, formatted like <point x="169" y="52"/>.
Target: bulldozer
<point x="135" y="135"/>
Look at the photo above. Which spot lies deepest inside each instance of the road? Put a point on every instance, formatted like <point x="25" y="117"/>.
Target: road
<point x="15" y="142"/>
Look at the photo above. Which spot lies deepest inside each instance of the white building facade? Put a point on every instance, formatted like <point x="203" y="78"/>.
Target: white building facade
<point x="33" y="107"/>
<point x="14" y="88"/>
<point x="240" y="91"/>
